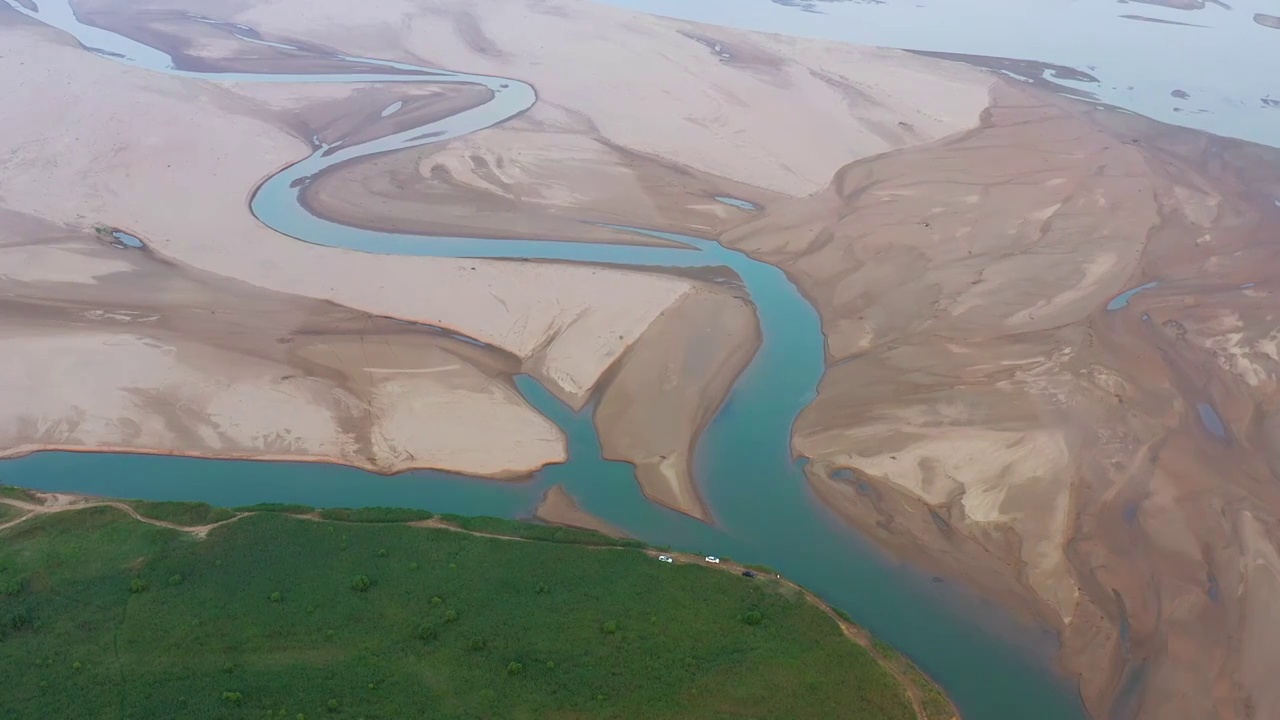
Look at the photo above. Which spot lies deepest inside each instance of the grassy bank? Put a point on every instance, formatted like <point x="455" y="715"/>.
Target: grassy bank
<point x="107" y="617"/>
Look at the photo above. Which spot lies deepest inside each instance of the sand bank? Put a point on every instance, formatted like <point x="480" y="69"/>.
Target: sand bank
<point x="119" y="349"/>
<point x="559" y="508"/>
<point x="984" y="414"/>
<point x="568" y="322"/>
<point x="641" y="120"/>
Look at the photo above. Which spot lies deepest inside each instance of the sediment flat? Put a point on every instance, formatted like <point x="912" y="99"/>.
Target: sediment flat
<point x="1110" y="472"/>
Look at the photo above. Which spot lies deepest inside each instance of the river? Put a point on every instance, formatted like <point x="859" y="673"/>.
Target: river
<point x="993" y="667"/>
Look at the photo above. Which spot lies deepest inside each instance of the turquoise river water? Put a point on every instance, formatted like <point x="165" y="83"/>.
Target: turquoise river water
<point x="994" y="668"/>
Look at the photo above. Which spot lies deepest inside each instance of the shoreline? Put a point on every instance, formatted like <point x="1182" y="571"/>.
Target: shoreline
<point x="914" y="683"/>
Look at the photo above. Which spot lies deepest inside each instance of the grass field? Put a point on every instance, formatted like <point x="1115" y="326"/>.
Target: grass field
<point x="9" y="512"/>
<point x="276" y="616"/>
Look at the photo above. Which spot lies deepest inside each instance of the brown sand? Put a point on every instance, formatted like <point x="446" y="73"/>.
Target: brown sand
<point x="559" y="508"/>
<point x="650" y="415"/>
<point x="999" y="424"/>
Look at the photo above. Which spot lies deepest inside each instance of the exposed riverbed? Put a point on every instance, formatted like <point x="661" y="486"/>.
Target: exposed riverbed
<point x="756" y="492"/>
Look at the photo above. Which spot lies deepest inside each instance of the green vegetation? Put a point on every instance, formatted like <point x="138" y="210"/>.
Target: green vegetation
<point x="96" y="626"/>
<point x="375" y="515"/>
<point x="15" y="493"/>
<point x="9" y="512"/>
<point x="286" y="508"/>
<point x="186" y="514"/>
<point x="529" y="531"/>
<point x="936" y="704"/>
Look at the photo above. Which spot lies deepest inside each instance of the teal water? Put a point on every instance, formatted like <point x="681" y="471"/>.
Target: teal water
<point x="994" y="668"/>
<point x="1122" y="300"/>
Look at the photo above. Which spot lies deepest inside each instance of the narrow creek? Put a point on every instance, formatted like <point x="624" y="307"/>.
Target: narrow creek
<point x="993" y="667"/>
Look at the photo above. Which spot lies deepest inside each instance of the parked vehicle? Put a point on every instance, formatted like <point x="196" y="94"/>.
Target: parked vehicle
<point x="748" y="573"/>
<point x="665" y="558"/>
<point x="713" y="559"/>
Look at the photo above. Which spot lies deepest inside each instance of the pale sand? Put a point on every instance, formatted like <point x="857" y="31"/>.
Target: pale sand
<point x="559" y="508"/>
<point x="668" y="387"/>
<point x="590" y="151"/>
<point x="568" y="322"/>
<point x="1001" y="425"/>
<point x="114" y="349"/>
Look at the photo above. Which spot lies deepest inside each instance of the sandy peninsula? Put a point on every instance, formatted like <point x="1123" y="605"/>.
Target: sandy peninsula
<point x="559" y="508"/>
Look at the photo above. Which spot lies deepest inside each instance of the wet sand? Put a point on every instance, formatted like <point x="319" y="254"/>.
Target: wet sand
<point x="559" y="508"/>
<point x="1111" y="473"/>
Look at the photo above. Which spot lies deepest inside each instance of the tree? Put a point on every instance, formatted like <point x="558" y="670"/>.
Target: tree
<point x="450" y="615"/>
<point x="360" y="583"/>
<point x="753" y="618"/>
<point x="137" y="585"/>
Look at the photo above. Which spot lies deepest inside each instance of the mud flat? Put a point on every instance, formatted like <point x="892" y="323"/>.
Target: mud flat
<point x="1111" y="472"/>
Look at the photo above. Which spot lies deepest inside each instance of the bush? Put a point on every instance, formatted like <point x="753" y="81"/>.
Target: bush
<point x="610" y="627"/>
<point x="753" y="618"/>
<point x="189" y="514"/>
<point x="275" y="597"/>
<point x="382" y="552"/>
<point x="137" y="585"/>
<point x="234" y="698"/>
<point x="450" y="615"/>
<point x="514" y="668"/>
<point x="375" y="515"/>
<point x="360" y="583"/>
<point x="175" y="580"/>
<point x="427" y="631"/>
<point x="10" y="588"/>
<point x="282" y="508"/>
<point x="477" y="644"/>
<point x="332" y="705"/>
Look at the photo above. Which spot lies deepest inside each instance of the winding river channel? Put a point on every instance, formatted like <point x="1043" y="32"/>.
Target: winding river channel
<point x="994" y="668"/>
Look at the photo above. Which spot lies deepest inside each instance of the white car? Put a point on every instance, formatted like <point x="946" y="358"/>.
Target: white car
<point x="665" y="558"/>
<point x="713" y="559"/>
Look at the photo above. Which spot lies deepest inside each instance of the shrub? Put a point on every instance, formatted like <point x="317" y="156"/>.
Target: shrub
<point x="610" y="627"/>
<point x="360" y="583"/>
<point x="234" y="698"/>
<point x="137" y="585"/>
<point x="382" y="552"/>
<point x="514" y="668"/>
<point x="275" y="597"/>
<point x="427" y="631"/>
<point x="10" y="588"/>
<point x="436" y="600"/>
<point x="477" y="643"/>
<point x="332" y="705"/>
<point x="753" y="618"/>
<point x="176" y="580"/>
<point x="541" y="589"/>
<point x="413" y="566"/>
<point x="450" y="616"/>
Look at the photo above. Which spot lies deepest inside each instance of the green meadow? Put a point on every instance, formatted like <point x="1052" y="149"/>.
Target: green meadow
<point x="363" y="616"/>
